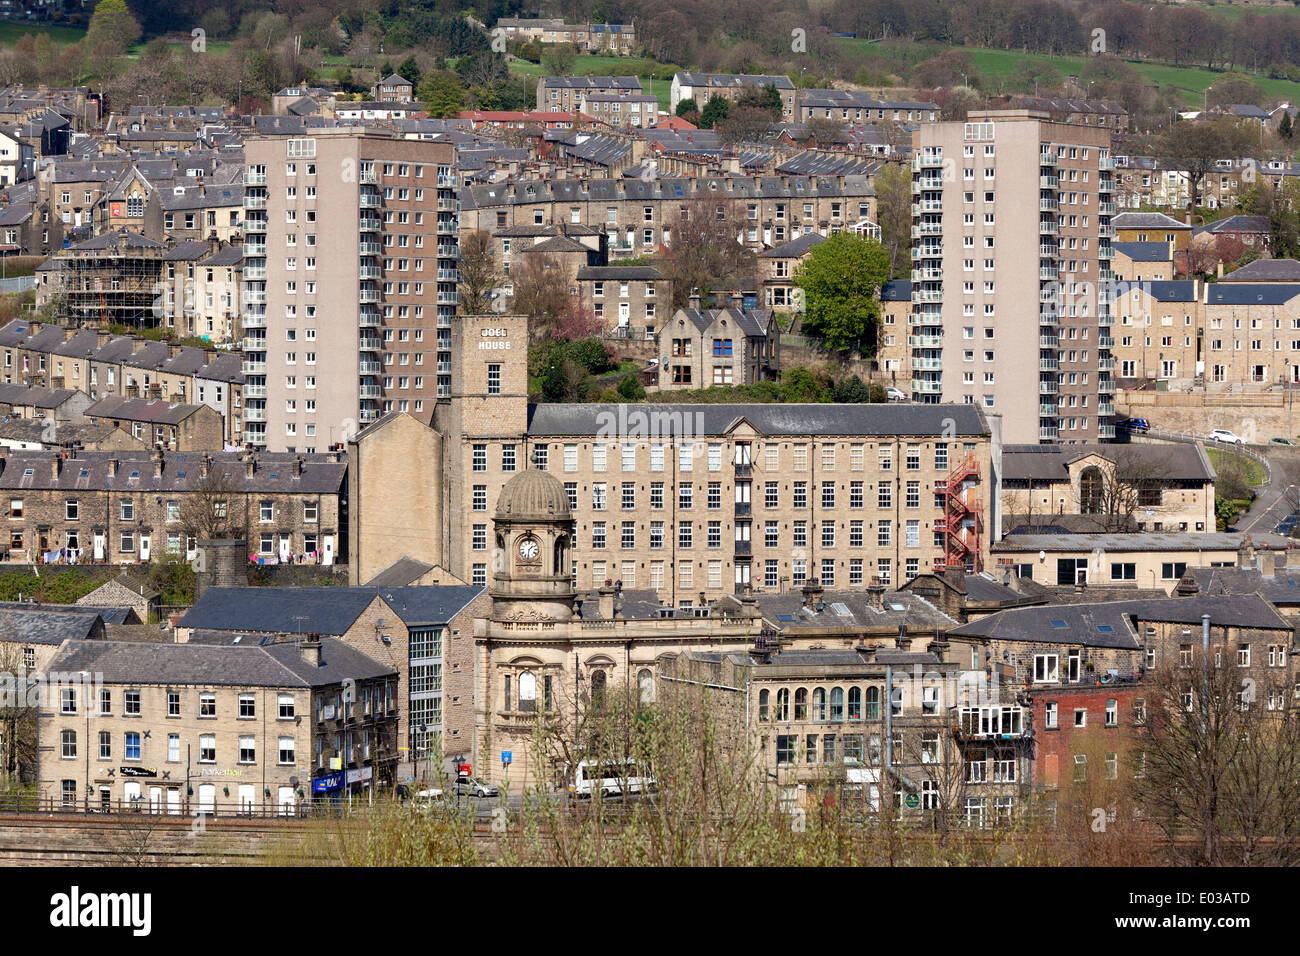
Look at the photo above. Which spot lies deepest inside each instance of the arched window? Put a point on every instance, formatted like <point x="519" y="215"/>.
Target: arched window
<point x="1090" y="491"/>
<point x="783" y="704"/>
<point x="801" y="704"/>
<point x="527" y="692"/>
<point x="763" y="697"/>
<point x="819" y="703"/>
<point x="855" y="703"/>
<point x="598" y="681"/>
<point x="873" y="703"/>
<point x="561" y="556"/>
<point x="837" y="704"/>
<point x="646" y="684"/>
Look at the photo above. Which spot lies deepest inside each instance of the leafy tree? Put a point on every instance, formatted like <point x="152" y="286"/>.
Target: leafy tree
<point x="799" y="384"/>
<point x="766" y="98"/>
<point x="558" y="59"/>
<point x="852" y="391"/>
<point x="410" y="70"/>
<point x="630" y="388"/>
<point x="841" y="280"/>
<point x="1285" y="128"/>
<point x="715" y="109"/>
<point x="112" y="26"/>
<point x="686" y="108"/>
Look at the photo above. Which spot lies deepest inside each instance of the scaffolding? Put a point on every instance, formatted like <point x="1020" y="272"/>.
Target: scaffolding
<point x="963" y="520"/>
<point x="114" y="279"/>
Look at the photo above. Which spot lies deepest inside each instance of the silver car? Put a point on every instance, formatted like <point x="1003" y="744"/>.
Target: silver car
<point x="476" y="787"/>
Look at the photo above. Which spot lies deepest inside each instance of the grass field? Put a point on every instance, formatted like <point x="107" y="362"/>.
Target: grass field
<point x="1190" y="80"/>
<point x="11" y="33"/>
<point x="1251" y="470"/>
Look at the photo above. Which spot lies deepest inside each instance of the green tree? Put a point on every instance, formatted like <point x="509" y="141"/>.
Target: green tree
<point x="715" y="109"/>
<point x="766" y="98"/>
<point x="799" y="384"/>
<point x="851" y="391"/>
<point x="558" y="59"/>
<point x="442" y="94"/>
<point x="112" y="27"/>
<point x="841" y="280"/>
<point x="1286" y="129"/>
<point x="410" y="70"/>
<point x="686" y="108"/>
<point x="630" y="388"/>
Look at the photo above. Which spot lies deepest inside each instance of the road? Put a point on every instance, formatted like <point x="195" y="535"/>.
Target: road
<point x="1272" y="503"/>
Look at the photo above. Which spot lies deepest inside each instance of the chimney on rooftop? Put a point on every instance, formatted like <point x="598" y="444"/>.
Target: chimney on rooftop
<point x="56" y="465"/>
<point x="250" y="466"/>
<point x="310" y="649"/>
<point x="695" y="299"/>
<point x="812" y="593"/>
<point x="112" y="467"/>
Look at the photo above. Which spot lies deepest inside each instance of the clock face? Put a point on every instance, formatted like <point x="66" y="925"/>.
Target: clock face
<point x="528" y="549"/>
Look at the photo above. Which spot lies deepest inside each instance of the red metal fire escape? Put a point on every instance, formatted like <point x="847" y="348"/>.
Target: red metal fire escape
<point x="962" y="522"/>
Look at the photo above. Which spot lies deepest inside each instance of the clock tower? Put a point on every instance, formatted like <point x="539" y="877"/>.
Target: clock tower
<point x="532" y="580"/>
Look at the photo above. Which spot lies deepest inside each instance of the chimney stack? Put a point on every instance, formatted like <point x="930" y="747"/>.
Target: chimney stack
<point x="310" y="650"/>
<point x="606" y="601"/>
<point x="812" y="594"/>
<point x="876" y="596"/>
<point x="56" y="465"/>
<point x="112" y="467"/>
<point x="250" y="466"/>
<point x="903" y="641"/>
<point x="695" y="299"/>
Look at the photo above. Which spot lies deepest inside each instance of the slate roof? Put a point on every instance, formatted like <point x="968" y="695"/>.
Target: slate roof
<point x="1147" y="541"/>
<point x="402" y="572"/>
<point x="1282" y="588"/>
<point x="853" y="610"/>
<point x="720" y="80"/>
<point x="593" y="83"/>
<point x="429" y="605"/>
<point x="1143" y="251"/>
<point x="181" y="472"/>
<point x="607" y="189"/>
<point x="272" y="665"/>
<point x="616" y="273"/>
<point x="1146" y="220"/>
<point x="794" y="249"/>
<point x="14" y="394"/>
<point x="1176" y="461"/>
<point x="753" y="322"/>
<point x="40" y="624"/>
<point x="1240" y="223"/>
<point x="895" y="418"/>
<point x="1265" y="270"/>
<point x="1250" y="293"/>
<point x="1091" y="625"/>
<point x="324" y="610"/>
<point x="142" y="410"/>
<point x="1161" y="290"/>
<point x="121" y="239"/>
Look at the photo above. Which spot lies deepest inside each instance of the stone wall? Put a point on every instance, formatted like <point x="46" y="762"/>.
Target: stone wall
<point x="1256" y="416"/>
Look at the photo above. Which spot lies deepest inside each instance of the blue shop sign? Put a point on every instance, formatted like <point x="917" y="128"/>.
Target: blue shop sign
<point x="332" y="781"/>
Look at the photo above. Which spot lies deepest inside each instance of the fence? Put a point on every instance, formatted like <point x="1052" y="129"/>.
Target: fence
<point x="18" y="284"/>
<point x="228" y="808"/>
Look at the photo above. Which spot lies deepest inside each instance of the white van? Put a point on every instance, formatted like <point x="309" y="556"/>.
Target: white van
<point x="611" y="778"/>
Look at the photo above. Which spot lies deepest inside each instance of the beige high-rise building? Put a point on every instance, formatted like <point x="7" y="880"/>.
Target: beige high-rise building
<point x="1012" y="254"/>
<point x="349" y="283"/>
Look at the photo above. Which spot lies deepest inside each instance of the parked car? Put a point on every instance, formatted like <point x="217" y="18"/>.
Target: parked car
<point x="1134" y="424"/>
<point x="895" y="394"/>
<point x="476" y="787"/>
<point x="425" y="799"/>
<point x="1281" y="441"/>
<point x="1226" y="437"/>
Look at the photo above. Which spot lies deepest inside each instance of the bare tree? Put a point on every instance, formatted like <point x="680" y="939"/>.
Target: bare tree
<point x="208" y="512"/>
<point x="705" y="247"/>
<point x="541" y="290"/>
<point x="1220" y="763"/>
<point x="17" y="712"/>
<point x="1116" y="493"/>
<point x="478" y="272"/>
